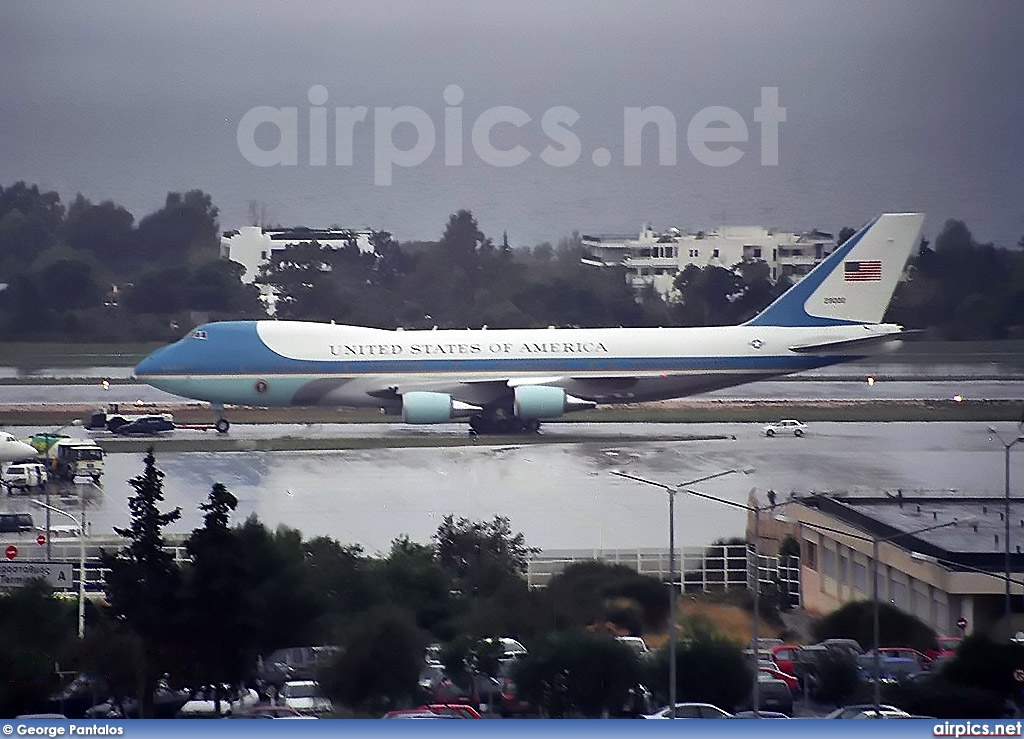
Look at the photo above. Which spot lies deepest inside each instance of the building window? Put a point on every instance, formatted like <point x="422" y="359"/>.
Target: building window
<point x="844" y="577"/>
<point x="263" y="255"/>
<point x="715" y="253"/>
<point x="860" y="576"/>
<point x="757" y="252"/>
<point x="694" y="253"/>
<point x="828" y="562"/>
<point x="810" y="558"/>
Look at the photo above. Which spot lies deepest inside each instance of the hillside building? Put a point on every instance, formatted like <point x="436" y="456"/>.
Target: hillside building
<point x="653" y="258"/>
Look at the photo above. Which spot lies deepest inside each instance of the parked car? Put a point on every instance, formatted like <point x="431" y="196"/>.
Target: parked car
<point x="16" y="523"/>
<point x="792" y="682"/>
<point x="202" y="703"/>
<point x="23" y="476"/>
<point x="305" y="697"/>
<point x="690" y="710"/>
<point x="637" y="644"/>
<point x="773" y="695"/>
<point x="436" y="710"/>
<point x="785" y="656"/>
<point x="922" y="660"/>
<point x="867" y="710"/>
<point x="945" y="646"/>
<point x="852" y="646"/>
<point x="145" y="426"/>
<point x="266" y="711"/>
<point x="788" y="426"/>
<point x="294" y="663"/>
<point x="759" y="714"/>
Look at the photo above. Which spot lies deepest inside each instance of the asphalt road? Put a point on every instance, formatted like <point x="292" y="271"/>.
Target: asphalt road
<point x="561" y="496"/>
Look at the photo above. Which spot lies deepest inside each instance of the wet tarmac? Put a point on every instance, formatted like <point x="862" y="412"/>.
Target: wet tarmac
<point x="559" y="495"/>
<point x="988" y="389"/>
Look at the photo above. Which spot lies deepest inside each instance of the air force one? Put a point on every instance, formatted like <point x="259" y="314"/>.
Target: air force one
<point x="511" y="379"/>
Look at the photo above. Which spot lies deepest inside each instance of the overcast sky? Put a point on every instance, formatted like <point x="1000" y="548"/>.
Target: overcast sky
<point x="889" y="106"/>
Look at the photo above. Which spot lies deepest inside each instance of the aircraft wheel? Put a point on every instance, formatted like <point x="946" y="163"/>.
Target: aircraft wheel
<point x="222" y="425"/>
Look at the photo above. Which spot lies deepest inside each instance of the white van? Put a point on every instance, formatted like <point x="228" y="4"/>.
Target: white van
<point x="23" y="476"/>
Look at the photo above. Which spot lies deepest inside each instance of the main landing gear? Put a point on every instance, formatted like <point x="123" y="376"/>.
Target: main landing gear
<point x="221" y="424"/>
<point x="482" y="424"/>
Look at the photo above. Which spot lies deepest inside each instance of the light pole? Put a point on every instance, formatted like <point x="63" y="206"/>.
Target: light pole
<point x="876" y="666"/>
<point x="672" y="490"/>
<point x="1007" y="446"/>
<point x="80" y="523"/>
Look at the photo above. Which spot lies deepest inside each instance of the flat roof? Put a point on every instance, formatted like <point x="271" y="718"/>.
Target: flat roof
<point x="897" y="516"/>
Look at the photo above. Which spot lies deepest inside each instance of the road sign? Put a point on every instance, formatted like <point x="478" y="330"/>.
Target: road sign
<point x="41" y="539"/>
<point x="11" y="552"/>
<point x="16" y="574"/>
<point x="961" y="623"/>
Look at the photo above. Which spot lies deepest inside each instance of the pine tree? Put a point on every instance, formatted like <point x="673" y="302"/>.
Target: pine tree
<point x="142" y="583"/>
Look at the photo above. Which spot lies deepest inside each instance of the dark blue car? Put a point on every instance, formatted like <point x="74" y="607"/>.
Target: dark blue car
<point x="145" y="426"/>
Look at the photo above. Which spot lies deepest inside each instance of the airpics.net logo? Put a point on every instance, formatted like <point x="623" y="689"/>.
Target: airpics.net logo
<point x="717" y="136"/>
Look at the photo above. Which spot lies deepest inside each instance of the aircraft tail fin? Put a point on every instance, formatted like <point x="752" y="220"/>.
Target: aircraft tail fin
<point x="855" y="283"/>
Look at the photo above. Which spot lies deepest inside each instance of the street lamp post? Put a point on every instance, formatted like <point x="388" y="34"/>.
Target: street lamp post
<point x="1007" y="446"/>
<point x="672" y="490"/>
<point x="80" y="524"/>
<point x="876" y="666"/>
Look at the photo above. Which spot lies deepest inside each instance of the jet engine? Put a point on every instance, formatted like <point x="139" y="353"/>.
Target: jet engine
<point x="426" y="407"/>
<point x="542" y="401"/>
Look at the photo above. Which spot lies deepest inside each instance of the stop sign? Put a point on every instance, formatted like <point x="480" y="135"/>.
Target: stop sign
<point x="961" y="623"/>
<point x="11" y="552"/>
<point x="41" y="539"/>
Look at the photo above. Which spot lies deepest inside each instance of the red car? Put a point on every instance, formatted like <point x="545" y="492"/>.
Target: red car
<point x="791" y="680"/>
<point x="784" y="656"/>
<point x="447" y="710"/>
<point x="947" y="646"/>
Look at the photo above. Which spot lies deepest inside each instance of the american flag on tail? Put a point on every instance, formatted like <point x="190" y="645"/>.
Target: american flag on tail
<point x="869" y="271"/>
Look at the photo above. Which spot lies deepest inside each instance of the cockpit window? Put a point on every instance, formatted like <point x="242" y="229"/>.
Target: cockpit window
<point x="198" y="334"/>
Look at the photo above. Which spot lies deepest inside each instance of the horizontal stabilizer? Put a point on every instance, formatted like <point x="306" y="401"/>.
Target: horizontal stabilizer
<point x="842" y="345"/>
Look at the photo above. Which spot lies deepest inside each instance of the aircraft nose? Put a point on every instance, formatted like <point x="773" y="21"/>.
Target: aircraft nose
<point x="26" y="449"/>
<point x="154" y="364"/>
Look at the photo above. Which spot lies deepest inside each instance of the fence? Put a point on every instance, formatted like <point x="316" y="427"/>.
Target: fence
<point x="700" y="569"/>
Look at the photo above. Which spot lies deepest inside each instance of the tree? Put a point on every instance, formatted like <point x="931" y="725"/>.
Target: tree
<point x="184" y="229"/>
<point x="106" y="230"/>
<point x="413" y="576"/>
<point x="38" y="631"/>
<point x="379" y="663"/>
<point x="481" y="555"/>
<point x="219" y="620"/>
<point x="593" y="593"/>
<point x="575" y="673"/>
<point x="844" y="235"/>
<point x="856" y="621"/>
<point x="29" y="223"/>
<point x="709" y="669"/>
<point x="143" y="581"/>
<point x="70" y="285"/>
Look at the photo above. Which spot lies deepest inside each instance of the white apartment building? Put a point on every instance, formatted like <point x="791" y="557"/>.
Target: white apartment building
<point x="656" y="258"/>
<point x="251" y="247"/>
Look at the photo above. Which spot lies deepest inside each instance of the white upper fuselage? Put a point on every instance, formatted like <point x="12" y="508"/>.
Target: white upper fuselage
<point x="297" y="363"/>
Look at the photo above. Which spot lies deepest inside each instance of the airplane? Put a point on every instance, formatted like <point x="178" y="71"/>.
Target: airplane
<point x="12" y="450"/>
<point x="509" y="380"/>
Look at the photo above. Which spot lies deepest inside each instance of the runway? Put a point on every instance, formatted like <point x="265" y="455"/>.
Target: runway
<point x="561" y="496"/>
